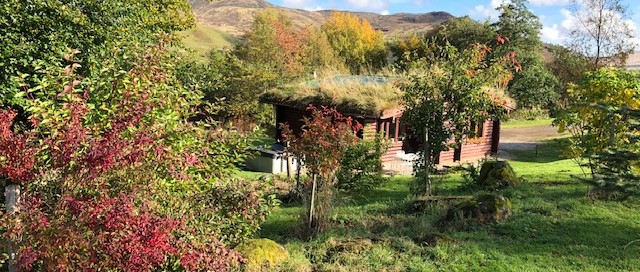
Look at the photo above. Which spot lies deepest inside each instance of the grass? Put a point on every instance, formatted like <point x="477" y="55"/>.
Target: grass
<point x="369" y="95"/>
<point x="527" y="123"/>
<point x="203" y="38"/>
<point x="554" y="228"/>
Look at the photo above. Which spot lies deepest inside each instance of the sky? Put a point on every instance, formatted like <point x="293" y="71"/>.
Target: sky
<point x="555" y="15"/>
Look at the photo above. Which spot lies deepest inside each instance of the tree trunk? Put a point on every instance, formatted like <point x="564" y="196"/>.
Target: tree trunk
<point x="313" y="200"/>
<point x="289" y="165"/>
<point x="12" y="204"/>
<point x="427" y="162"/>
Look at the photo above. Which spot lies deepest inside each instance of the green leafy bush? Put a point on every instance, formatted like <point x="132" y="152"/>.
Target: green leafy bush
<point x="38" y="33"/>
<point x="233" y="85"/>
<point x="361" y="166"/>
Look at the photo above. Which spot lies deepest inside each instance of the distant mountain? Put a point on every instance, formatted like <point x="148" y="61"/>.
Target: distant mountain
<point x="236" y="16"/>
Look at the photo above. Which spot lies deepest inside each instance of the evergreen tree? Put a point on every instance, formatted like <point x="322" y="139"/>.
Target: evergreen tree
<point x="617" y="168"/>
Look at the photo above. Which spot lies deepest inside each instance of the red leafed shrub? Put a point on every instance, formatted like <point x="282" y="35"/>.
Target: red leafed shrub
<point x="99" y="184"/>
<point x="92" y="233"/>
<point x="84" y="228"/>
<point x="325" y="138"/>
<point x="17" y="151"/>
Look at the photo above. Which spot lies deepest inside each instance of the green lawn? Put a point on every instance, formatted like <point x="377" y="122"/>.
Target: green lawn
<point x="554" y="228"/>
<point x="526" y="123"/>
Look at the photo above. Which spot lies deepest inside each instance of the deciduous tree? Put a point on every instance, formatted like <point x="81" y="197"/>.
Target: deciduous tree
<point x="275" y="44"/>
<point x="355" y="41"/>
<point x="601" y="31"/>
<point x="325" y="138"/>
<point x="591" y="116"/>
<point x="449" y="93"/>
<point x="534" y="86"/>
<point x="463" y="33"/>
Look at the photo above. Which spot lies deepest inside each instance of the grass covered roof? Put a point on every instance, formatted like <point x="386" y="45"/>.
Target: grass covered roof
<point x="372" y="96"/>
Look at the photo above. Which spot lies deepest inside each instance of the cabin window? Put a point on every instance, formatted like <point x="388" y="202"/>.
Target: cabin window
<point x="457" y="154"/>
<point x="392" y="128"/>
<point x="360" y="132"/>
<point x="478" y="131"/>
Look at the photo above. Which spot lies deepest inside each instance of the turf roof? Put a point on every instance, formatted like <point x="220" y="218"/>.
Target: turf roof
<point x="371" y="96"/>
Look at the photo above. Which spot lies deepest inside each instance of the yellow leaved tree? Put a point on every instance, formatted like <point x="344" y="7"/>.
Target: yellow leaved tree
<point x="593" y="115"/>
<point x="355" y="41"/>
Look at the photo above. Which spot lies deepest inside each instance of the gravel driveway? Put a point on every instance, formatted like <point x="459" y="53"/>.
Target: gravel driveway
<point x="524" y="138"/>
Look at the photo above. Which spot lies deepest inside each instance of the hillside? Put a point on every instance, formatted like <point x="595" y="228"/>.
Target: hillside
<point x="235" y="17"/>
<point x="203" y="38"/>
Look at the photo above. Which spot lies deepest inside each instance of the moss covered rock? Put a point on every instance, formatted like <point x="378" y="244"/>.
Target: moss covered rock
<point x="497" y="174"/>
<point x="262" y="254"/>
<point x="483" y="208"/>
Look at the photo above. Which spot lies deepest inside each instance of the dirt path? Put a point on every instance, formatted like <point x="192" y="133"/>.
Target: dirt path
<point x="528" y="134"/>
<point x="524" y="138"/>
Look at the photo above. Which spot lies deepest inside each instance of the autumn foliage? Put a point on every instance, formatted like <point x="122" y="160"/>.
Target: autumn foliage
<point x="355" y="41"/>
<point x="122" y="189"/>
<point x="325" y="137"/>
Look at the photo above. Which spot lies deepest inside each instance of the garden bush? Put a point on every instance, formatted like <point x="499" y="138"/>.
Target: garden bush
<point x="529" y="114"/>
<point x="361" y="166"/>
<point x="124" y="182"/>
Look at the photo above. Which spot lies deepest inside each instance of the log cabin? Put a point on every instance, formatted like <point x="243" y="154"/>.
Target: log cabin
<point x="375" y="102"/>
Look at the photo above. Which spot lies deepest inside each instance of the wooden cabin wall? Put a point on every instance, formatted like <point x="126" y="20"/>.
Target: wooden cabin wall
<point x="474" y="148"/>
<point x="371" y="127"/>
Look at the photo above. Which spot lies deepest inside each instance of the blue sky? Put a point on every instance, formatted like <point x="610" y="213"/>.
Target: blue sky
<point x="555" y="15"/>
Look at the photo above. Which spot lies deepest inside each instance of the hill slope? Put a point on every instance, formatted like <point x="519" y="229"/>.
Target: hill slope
<point x="236" y="16"/>
<point x="203" y="38"/>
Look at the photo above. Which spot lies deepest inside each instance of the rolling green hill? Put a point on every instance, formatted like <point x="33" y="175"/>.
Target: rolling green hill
<point x="220" y="23"/>
<point x="236" y="16"/>
<point x="203" y="38"/>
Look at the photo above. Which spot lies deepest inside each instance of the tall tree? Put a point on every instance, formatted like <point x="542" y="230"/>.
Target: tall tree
<point x="601" y="31"/>
<point x="519" y="25"/>
<point x="463" y="32"/>
<point x="534" y="86"/>
<point x="448" y="93"/>
<point x="275" y="44"/>
<point x="318" y="52"/>
<point x="355" y="41"/>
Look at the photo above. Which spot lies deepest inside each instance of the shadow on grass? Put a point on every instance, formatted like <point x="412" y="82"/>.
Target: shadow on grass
<point x="530" y="236"/>
<point x="554" y="227"/>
